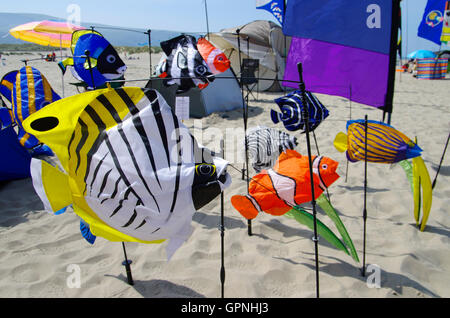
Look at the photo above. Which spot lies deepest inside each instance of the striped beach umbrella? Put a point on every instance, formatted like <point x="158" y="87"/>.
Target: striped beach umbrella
<point x="46" y="33"/>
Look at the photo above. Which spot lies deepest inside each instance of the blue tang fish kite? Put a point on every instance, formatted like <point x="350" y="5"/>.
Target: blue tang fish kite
<point x="105" y="61"/>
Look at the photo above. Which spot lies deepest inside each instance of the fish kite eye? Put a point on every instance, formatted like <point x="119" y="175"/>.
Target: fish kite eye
<point x="111" y="58"/>
<point x="220" y="58"/>
<point x="205" y="169"/>
<point x="201" y="69"/>
<point x="324" y="166"/>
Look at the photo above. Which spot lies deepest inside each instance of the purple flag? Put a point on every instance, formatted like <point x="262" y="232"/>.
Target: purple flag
<point x="352" y="57"/>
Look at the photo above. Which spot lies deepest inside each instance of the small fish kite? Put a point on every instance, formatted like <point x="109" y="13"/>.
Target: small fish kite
<point x="215" y="58"/>
<point x="275" y="191"/>
<point x="291" y="111"/>
<point x="184" y="65"/>
<point x="265" y="146"/>
<point x="28" y="91"/>
<point x="132" y="170"/>
<point x="280" y="191"/>
<point x="385" y="144"/>
<point x="105" y="61"/>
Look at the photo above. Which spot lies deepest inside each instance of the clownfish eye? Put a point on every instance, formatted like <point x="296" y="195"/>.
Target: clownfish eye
<point x="324" y="166"/>
<point x="220" y="58"/>
<point x="111" y="58"/>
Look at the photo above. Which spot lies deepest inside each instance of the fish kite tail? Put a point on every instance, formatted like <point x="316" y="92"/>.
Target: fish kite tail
<point x="275" y="116"/>
<point x="245" y="205"/>
<point x="51" y="185"/>
<point x="340" y="142"/>
<point x="86" y="232"/>
<point x="422" y="185"/>
<point x="63" y="64"/>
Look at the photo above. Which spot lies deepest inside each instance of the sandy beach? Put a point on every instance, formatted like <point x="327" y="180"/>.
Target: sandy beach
<point x="39" y="251"/>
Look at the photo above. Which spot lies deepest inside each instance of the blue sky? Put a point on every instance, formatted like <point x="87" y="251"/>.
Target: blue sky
<point x="189" y="15"/>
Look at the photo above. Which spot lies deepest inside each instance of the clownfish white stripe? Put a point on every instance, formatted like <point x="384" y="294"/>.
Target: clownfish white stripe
<point x="212" y="55"/>
<point x="316" y="170"/>
<point x="284" y="186"/>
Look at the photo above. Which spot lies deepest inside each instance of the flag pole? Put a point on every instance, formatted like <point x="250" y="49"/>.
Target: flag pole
<point x="440" y="163"/>
<point x="305" y="115"/>
<point x="244" y="116"/>
<point x="88" y="57"/>
<point x="365" y="197"/>
<point x="150" y="52"/>
<point x="62" y="74"/>
<point x="207" y="22"/>
<point x="222" y="232"/>
<point x="392" y="60"/>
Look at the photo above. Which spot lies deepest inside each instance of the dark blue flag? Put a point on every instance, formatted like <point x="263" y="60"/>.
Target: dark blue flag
<point x="431" y="26"/>
<point x="276" y="7"/>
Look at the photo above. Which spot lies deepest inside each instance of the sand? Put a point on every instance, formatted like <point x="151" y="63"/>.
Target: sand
<point x="42" y="254"/>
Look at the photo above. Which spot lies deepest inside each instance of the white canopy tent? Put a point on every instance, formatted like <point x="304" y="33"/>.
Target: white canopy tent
<point x="262" y="40"/>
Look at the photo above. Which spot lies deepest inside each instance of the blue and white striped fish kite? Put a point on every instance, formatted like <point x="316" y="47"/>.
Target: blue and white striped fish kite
<point x="291" y="111"/>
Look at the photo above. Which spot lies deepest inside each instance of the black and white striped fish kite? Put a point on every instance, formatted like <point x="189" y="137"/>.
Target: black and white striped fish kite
<point x="291" y="111"/>
<point x="184" y="65"/>
<point x="265" y="146"/>
<point x="133" y="171"/>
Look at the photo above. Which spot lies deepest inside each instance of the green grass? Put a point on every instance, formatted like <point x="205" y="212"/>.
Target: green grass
<point x="137" y="49"/>
<point x="17" y="49"/>
<point x="11" y="49"/>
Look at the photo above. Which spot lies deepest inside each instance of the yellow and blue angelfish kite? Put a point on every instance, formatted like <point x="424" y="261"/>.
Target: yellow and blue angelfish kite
<point x="385" y="144"/>
<point x="28" y="91"/>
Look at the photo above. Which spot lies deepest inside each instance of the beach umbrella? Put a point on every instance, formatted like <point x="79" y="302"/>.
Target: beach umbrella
<point x="46" y="33"/>
<point x="421" y="54"/>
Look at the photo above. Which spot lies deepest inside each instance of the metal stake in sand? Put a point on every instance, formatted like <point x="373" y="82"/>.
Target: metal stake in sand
<point x="305" y="115"/>
<point x="365" y="196"/>
<point x="87" y="53"/>
<point x="150" y="52"/>
<point x="222" y="232"/>
<point x="440" y="163"/>
<point x="127" y="263"/>
<point x="350" y="118"/>
<point x="245" y="117"/>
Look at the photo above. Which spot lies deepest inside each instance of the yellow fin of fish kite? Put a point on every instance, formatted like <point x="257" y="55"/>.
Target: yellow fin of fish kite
<point x="340" y="142"/>
<point x="421" y="179"/>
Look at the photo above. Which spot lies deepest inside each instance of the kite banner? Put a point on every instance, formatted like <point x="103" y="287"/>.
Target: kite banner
<point x="276" y="7"/>
<point x="431" y="26"/>
<point x="347" y="48"/>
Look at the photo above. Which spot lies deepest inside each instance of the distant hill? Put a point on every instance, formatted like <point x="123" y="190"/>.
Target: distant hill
<point x="115" y="37"/>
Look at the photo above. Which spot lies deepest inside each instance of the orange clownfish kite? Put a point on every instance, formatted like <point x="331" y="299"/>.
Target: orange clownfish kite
<point x="215" y="58"/>
<point x="277" y="190"/>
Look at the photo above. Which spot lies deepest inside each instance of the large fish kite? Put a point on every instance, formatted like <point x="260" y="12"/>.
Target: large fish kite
<point x="132" y="170"/>
<point x="387" y="145"/>
<point x="347" y="48"/>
